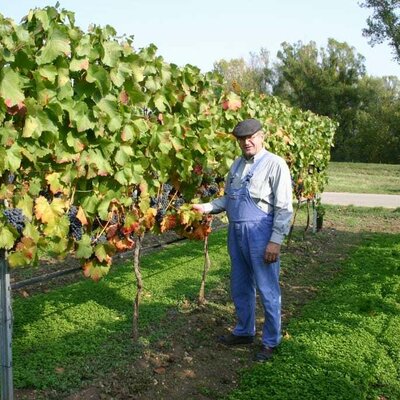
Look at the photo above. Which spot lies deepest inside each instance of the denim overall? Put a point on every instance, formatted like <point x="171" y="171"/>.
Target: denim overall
<point x="249" y="231"/>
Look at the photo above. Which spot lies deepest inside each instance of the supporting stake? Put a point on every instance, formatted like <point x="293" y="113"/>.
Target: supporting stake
<point x="139" y="288"/>
<point x="207" y="263"/>
<point x="7" y="392"/>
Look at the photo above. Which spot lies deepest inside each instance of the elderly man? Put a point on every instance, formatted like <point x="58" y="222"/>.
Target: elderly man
<point x="258" y="202"/>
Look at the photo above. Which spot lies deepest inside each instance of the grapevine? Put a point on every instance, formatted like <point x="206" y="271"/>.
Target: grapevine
<point x="102" y="143"/>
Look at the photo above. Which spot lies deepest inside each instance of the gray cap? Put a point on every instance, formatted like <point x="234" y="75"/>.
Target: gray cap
<point x="247" y="127"/>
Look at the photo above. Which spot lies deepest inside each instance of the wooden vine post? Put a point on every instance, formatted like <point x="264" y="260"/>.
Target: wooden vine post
<point x="139" y="288"/>
<point x="207" y="264"/>
<point x="5" y="330"/>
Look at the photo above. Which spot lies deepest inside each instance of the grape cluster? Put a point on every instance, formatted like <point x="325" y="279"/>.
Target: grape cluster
<point x="179" y="202"/>
<point x="100" y="239"/>
<point x="209" y="190"/>
<point x="162" y="201"/>
<point x="46" y="194"/>
<point x="147" y="112"/>
<point x="75" y="225"/>
<point x="16" y="218"/>
<point x="10" y="178"/>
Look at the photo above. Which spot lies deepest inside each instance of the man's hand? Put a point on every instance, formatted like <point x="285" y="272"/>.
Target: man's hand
<point x="271" y="253"/>
<point x="198" y="207"/>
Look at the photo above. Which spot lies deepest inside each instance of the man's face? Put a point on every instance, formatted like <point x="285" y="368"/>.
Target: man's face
<point x="251" y="144"/>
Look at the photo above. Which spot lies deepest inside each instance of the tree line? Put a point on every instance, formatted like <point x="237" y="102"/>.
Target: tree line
<point x="333" y="81"/>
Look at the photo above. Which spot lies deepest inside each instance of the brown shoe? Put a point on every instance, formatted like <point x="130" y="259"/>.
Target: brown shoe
<point x="265" y="354"/>
<point x="232" y="340"/>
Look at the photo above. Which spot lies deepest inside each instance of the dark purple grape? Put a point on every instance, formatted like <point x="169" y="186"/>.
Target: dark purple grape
<point x="16" y="218"/>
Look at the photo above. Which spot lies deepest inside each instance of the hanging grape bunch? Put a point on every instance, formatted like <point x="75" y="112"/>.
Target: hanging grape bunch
<point x="75" y="225"/>
<point x="15" y="218"/>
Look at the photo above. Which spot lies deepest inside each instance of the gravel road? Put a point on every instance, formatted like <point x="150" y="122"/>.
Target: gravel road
<point x="361" y="199"/>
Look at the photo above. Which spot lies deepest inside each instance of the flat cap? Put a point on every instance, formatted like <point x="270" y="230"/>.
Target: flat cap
<point x="247" y="127"/>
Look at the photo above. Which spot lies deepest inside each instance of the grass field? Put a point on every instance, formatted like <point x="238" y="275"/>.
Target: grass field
<point x="363" y="178"/>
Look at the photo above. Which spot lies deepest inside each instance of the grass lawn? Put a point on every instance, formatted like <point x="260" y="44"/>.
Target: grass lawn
<point x="363" y="178"/>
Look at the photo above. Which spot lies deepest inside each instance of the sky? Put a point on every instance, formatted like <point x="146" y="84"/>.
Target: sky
<point x="201" y="32"/>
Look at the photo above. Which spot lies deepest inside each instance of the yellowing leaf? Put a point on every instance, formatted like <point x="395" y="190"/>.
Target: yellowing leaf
<point x="81" y="216"/>
<point x="48" y="213"/>
<point x="54" y="182"/>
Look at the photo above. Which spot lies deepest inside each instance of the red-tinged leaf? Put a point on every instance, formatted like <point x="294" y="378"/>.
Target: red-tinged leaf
<point x="168" y="223"/>
<point x="198" y="169"/>
<point x="127" y="133"/>
<point x="123" y="97"/>
<point x="131" y="223"/>
<point x="232" y="102"/>
<point x="150" y="218"/>
<point x="111" y="230"/>
<point x="123" y="244"/>
<point x="160" y="119"/>
<point x="95" y="270"/>
<point x="17" y="109"/>
<point x="28" y="248"/>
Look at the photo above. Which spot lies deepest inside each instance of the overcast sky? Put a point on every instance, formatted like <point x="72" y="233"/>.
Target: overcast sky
<point x="200" y="32"/>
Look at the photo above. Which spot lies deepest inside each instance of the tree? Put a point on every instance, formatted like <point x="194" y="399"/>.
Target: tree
<point x="377" y="121"/>
<point x="323" y="81"/>
<point x="254" y="75"/>
<point x="384" y="24"/>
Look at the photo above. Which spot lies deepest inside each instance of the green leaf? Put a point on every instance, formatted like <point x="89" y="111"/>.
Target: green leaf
<point x="32" y="232"/>
<point x="90" y="203"/>
<point x="160" y="102"/>
<point x="26" y="205"/>
<point x="135" y="92"/>
<point x="57" y="44"/>
<point x="49" y="72"/>
<point x="57" y="246"/>
<point x="59" y="228"/>
<point x="84" y="247"/>
<point x="32" y="127"/>
<point x="98" y="75"/>
<point x="79" y="64"/>
<point x="10" y="87"/>
<point x="101" y="252"/>
<point x="112" y="53"/>
<point x="153" y="83"/>
<point x="123" y="154"/>
<point x="17" y="259"/>
<point x="7" y="238"/>
<point x="13" y="158"/>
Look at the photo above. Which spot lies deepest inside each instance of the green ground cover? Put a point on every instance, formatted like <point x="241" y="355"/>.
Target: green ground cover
<point x="345" y="344"/>
<point x="75" y="332"/>
<point x="363" y="178"/>
<point x="342" y="345"/>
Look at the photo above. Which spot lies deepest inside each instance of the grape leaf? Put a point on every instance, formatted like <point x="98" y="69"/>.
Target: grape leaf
<point x="85" y="249"/>
<point x="7" y="238"/>
<point x="49" y="213"/>
<point x="10" y="86"/>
